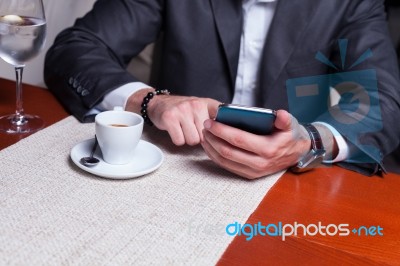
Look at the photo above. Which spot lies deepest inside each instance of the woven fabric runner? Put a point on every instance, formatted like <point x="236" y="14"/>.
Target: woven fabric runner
<point x="53" y="213"/>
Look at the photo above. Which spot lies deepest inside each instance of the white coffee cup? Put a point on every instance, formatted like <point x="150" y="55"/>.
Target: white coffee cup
<point x="118" y="133"/>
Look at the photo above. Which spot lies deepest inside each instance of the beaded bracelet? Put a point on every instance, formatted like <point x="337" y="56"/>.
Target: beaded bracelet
<point x="146" y="101"/>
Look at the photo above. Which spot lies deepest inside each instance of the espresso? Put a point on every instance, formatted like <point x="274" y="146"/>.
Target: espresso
<point x="118" y="125"/>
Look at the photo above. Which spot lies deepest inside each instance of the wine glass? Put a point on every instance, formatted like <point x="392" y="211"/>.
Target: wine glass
<point x="22" y="36"/>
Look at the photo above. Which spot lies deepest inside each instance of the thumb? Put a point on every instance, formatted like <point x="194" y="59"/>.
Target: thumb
<point x="284" y="120"/>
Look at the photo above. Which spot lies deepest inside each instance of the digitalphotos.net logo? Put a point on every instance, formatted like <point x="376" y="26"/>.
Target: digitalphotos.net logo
<point x="297" y="229"/>
<point x="357" y="108"/>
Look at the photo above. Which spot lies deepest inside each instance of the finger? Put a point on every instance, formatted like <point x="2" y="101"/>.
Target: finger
<point x="236" y="137"/>
<point x="212" y="107"/>
<point x="234" y="167"/>
<point x="190" y="131"/>
<point x="200" y="116"/>
<point x="193" y="113"/>
<point x="175" y="132"/>
<point x="235" y="154"/>
<point x="283" y="120"/>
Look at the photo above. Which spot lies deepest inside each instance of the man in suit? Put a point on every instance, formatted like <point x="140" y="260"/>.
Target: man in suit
<point x="230" y="51"/>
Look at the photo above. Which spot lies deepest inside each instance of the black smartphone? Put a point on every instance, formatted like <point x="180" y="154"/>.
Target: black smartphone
<point x="256" y="120"/>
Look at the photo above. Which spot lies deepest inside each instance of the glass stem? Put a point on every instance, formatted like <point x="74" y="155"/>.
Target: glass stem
<point x="19" y="112"/>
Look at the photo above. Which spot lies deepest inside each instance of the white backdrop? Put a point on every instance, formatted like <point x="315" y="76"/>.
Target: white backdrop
<point x="60" y="14"/>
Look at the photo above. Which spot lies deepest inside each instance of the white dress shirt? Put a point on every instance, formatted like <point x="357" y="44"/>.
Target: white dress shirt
<point x="257" y="18"/>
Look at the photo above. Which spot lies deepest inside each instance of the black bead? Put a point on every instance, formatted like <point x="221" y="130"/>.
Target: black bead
<point x="145" y="102"/>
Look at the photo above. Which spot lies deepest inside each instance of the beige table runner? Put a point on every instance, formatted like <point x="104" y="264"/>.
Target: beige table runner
<point x="53" y="213"/>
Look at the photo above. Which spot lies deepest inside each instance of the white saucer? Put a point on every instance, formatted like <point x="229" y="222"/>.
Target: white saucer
<point x="148" y="158"/>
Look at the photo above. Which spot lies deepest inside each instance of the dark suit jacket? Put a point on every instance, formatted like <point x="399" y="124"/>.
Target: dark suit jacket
<point x="201" y="48"/>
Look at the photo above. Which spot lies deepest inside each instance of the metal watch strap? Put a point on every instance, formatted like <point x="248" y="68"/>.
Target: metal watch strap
<point x="315" y="137"/>
<point x="315" y="156"/>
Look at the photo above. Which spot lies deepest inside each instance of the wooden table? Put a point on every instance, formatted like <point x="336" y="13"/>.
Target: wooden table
<point x="37" y="101"/>
<point x="329" y="196"/>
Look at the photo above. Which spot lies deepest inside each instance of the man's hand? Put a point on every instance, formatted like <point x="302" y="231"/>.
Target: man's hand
<point x="183" y="117"/>
<point x="253" y="156"/>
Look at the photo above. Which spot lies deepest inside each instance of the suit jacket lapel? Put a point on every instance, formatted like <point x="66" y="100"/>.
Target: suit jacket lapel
<point x="228" y="20"/>
<point x="290" y="20"/>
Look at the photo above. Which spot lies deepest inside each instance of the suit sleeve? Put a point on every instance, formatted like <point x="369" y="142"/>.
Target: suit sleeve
<point x="373" y="132"/>
<point x="89" y="59"/>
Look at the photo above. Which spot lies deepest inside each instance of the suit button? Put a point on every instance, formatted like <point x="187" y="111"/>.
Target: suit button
<point x="79" y="89"/>
<point x="84" y="92"/>
<point x="75" y="84"/>
<point x="70" y="80"/>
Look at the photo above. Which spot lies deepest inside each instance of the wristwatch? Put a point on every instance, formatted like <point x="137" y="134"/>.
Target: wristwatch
<point x="315" y="156"/>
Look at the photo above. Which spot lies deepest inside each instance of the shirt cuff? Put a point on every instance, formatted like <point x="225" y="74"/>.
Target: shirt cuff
<point x="120" y="96"/>
<point x="342" y="145"/>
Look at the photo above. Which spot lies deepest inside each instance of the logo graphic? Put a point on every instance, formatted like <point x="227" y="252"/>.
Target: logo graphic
<point x="284" y="230"/>
<point x="358" y="107"/>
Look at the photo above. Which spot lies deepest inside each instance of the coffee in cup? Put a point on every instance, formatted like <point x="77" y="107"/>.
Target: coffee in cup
<point x="118" y="133"/>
